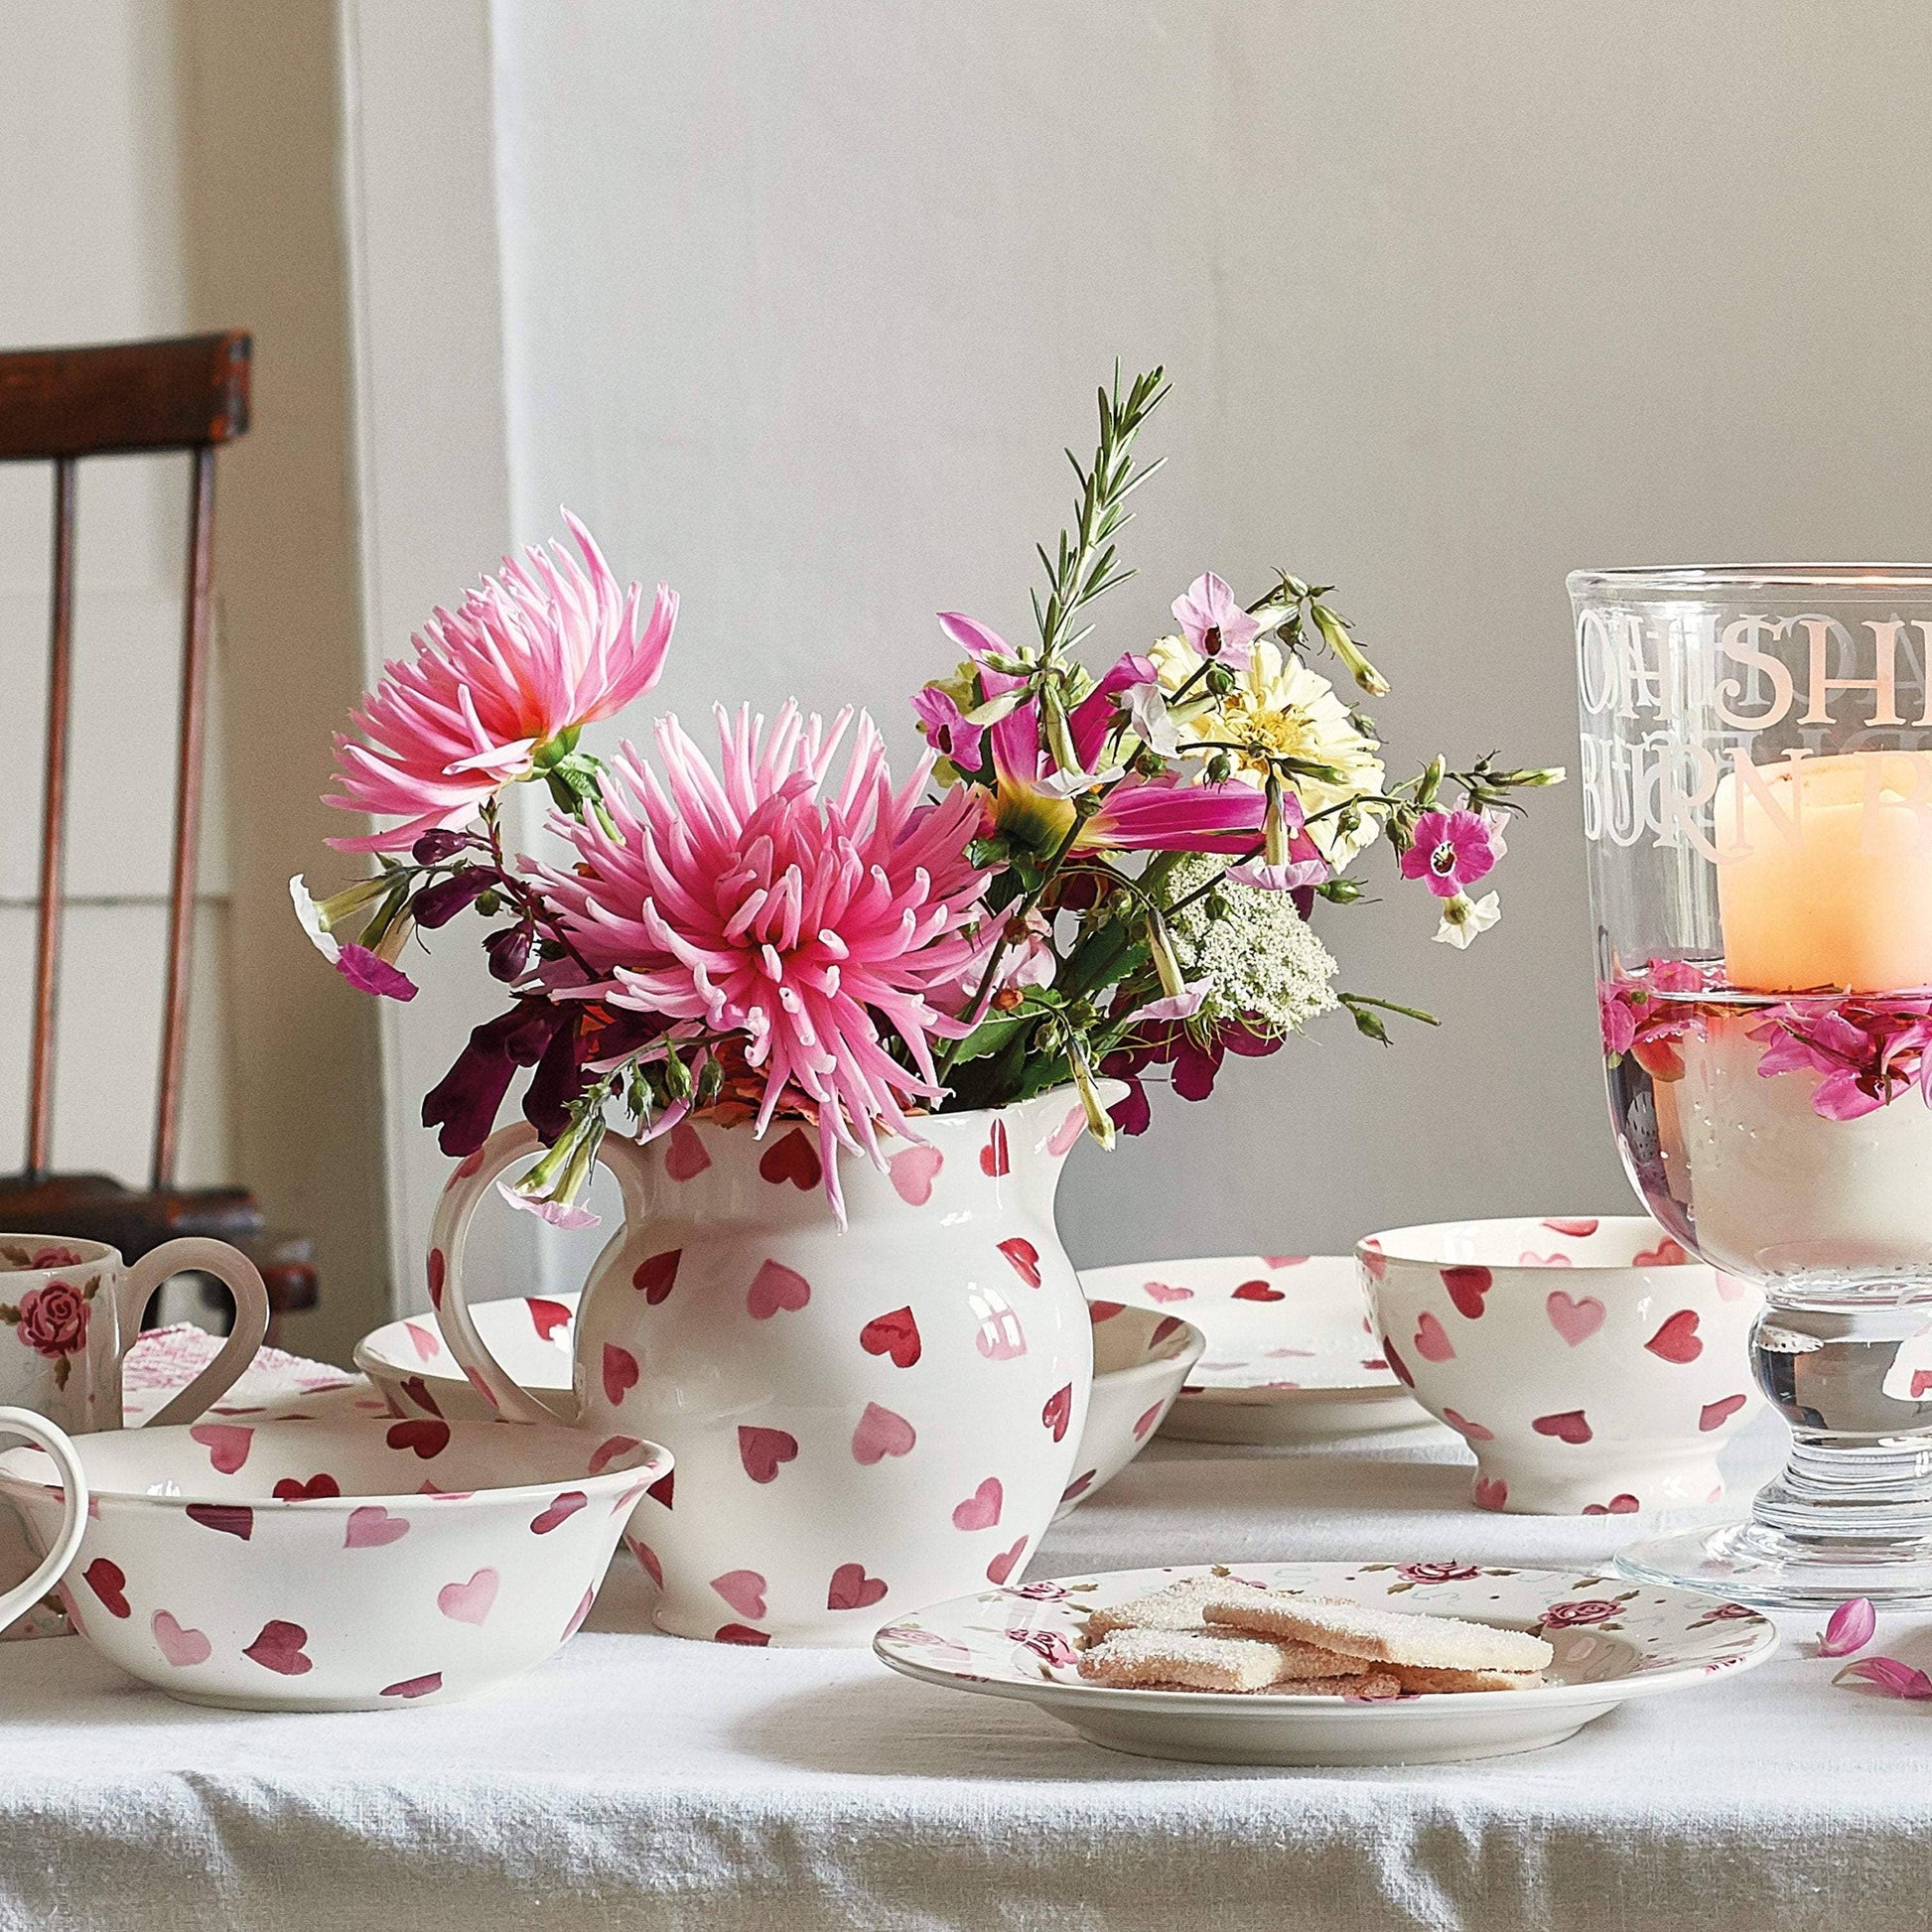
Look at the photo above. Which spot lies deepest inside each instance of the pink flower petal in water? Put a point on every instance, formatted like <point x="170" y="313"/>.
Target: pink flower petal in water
<point x="1850" y="1629"/>
<point x="560" y="1215"/>
<point x="364" y="971"/>
<point x="1890" y="1675"/>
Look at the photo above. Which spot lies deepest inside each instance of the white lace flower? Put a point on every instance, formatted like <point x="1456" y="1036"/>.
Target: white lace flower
<point x="1253" y="950"/>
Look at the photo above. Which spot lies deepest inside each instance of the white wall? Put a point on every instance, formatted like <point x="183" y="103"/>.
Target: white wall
<point x="805" y="301"/>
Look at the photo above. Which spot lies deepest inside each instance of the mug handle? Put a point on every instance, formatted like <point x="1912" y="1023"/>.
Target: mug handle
<point x="449" y="1234"/>
<point x="44" y="1434"/>
<point x="231" y="1267"/>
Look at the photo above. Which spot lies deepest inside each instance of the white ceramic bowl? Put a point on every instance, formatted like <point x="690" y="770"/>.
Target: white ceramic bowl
<point x="1592" y="1365"/>
<point x="1141" y="1359"/>
<point x="353" y="1564"/>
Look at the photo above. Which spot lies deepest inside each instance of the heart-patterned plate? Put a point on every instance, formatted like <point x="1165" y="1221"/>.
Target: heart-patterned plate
<point x="1613" y="1641"/>
<point x="1291" y="1356"/>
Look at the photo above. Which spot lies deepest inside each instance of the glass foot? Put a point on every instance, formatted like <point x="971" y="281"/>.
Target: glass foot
<point x="1769" y="1569"/>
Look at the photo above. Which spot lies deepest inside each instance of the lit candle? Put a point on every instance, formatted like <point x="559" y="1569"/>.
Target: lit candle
<point x="1825" y="873"/>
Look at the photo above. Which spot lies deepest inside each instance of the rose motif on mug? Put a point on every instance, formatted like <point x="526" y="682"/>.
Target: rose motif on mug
<point x="1438" y="1573"/>
<point x="1590" y="1610"/>
<point x="51" y="1320"/>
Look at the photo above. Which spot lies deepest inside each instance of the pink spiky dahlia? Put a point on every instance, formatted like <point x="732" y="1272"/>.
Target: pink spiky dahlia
<point x="534" y="652"/>
<point x="766" y="901"/>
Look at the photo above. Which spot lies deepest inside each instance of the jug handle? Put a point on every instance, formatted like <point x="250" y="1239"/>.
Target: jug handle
<point x="449" y="1235"/>
<point x="239" y="1276"/>
<point x="53" y="1441"/>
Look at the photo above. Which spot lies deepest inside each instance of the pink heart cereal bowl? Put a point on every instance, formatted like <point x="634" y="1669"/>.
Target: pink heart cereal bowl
<point x="1592" y="1367"/>
<point x="360" y="1564"/>
<point x="1141" y="1359"/>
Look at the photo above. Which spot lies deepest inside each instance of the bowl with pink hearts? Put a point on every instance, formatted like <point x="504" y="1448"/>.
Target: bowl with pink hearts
<point x="352" y="1564"/>
<point x="1593" y="1366"/>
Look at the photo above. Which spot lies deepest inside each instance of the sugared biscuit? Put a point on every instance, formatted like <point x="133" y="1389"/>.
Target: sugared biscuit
<point x="1305" y="1660"/>
<point x="1419" y="1677"/>
<point x="1189" y="1660"/>
<point x="1380" y="1636"/>
<point x="1178" y="1608"/>
<point x="1371" y="1684"/>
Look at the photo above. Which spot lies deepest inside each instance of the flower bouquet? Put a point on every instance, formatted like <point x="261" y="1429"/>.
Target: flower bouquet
<point x="1085" y="875"/>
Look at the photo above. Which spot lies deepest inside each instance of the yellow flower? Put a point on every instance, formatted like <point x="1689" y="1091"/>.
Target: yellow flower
<point x="1278" y="706"/>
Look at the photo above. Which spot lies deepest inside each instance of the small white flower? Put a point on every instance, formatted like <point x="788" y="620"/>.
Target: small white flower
<point x="1463" y="917"/>
<point x="310" y="914"/>
<point x="1147" y="709"/>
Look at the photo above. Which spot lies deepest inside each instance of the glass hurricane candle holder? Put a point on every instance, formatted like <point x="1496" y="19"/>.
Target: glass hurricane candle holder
<point x="1757" y="774"/>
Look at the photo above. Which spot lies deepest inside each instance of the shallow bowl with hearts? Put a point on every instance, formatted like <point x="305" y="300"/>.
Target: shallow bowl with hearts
<point x="1290" y="1355"/>
<point x="1592" y="1367"/>
<point x="358" y="1563"/>
<point x="1141" y="1358"/>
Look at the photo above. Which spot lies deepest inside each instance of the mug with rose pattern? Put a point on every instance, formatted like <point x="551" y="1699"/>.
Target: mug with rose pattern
<point x="68" y="1312"/>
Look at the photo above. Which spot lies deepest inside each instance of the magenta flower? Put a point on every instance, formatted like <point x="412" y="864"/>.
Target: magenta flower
<point x="1851" y="1628"/>
<point x="1213" y="620"/>
<point x="532" y="655"/>
<point x="369" y="973"/>
<point x="766" y="901"/>
<point x="947" y="728"/>
<point x="1866" y="1050"/>
<point x="1451" y="850"/>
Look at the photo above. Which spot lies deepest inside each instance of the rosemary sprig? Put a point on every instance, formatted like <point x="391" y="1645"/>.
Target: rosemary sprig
<point x="1086" y="564"/>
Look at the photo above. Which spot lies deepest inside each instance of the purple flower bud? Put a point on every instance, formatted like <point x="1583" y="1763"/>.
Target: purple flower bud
<point x="509" y="952"/>
<point x="438" y="905"/>
<point x="435" y="848"/>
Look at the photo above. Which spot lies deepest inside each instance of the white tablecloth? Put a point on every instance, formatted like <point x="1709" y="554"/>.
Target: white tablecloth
<point x="638" y="1781"/>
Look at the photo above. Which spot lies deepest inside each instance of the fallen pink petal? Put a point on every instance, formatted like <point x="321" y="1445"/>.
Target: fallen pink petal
<point x="1851" y="1628"/>
<point x="1890" y="1675"/>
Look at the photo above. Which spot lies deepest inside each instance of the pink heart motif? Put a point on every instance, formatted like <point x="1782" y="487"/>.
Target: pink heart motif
<point x="230" y="1519"/>
<point x="292" y="1490"/>
<point x="613" y="1446"/>
<point x="620" y="1372"/>
<point x="1575" y="1319"/>
<point x="880" y="1433"/>
<point x="762" y="1449"/>
<point x="417" y="1390"/>
<point x="1472" y="1431"/>
<point x="1568" y="1427"/>
<point x="578" y="1615"/>
<point x="1285" y="1260"/>
<point x="371" y="1527"/>
<point x="656" y="1275"/>
<point x="1397" y="1366"/>
<point x="427" y="1345"/>
<point x="561" y="1509"/>
<point x="1078" y="1486"/>
<point x="1058" y="1411"/>
<point x="1375" y="1264"/>
<point x="1258" y="1292"/>
<point x="1062" y="1138"/>
<point x="1025" y="1258"/>
<point x="1666" y="1254"/>
<point x="660" y="1491"/>
<point x="1162" y="1292"/>
<point x="1006" y="1562"/>
<point x="1490" y="1492"/>
<point x="182" y="1647"/>
<point x="735" y="1634"/>
<point x="279" y="1648"/>
<point x="1714" y="1415"/>
<point x="1466" y="1286"/>
<point x="742" y="1590"/>
<point x="895" y="1333"/>
<point x="1000" y="1337"/>
<point x="1431" y="1339"/>
<point x="646" y="1555"/>
<point x="425" y="1434"/>
<point x="469" y="1603"/>
<point x="793" y="1159"/>
<point x="853" y="1589"/>
<point x="685" y="1158"/>
<point x="914" y="1169"/>
<point x="108" y="1581"/>
<point x="1729" y="1288"/>
<point x="994" y="1158"/>
<point x="1147" y="1419"/>
<point x="1529" y="1258"/>
<point x="980" y="1510"/>
<point x="1620" y="1505"/>
<point x="1678" y="1339"/>
<point x="414" y="1687"/>
<point x="228" y="1443"/>
<point x="1578" y="1230"/>
<point x="775" y="1287"/>
<point x="434" y="1272"/>
<point x="546" y="1316"/>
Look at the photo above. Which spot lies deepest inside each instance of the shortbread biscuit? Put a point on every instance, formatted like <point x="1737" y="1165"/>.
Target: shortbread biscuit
<point x="1419" y="1677"/>
<point x="1305" y="1660"/>
<point x="1380" y="1636"/>
<point x="1189" y="1660"/>
<point x="1371" y="1684"/>
<point x="1178" y="1608"/>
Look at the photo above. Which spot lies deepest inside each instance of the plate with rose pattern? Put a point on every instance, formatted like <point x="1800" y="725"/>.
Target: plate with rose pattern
<point x="1291" y="1356"/>
<point x="1613" y="1642"/>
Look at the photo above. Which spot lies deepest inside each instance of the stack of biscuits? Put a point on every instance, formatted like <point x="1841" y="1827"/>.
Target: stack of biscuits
<point x="1217" y="1633"/>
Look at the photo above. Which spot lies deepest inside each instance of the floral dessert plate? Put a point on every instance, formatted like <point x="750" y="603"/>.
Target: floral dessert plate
<point x="1613" y="1642"/>
<point x="1291" y="1356"/>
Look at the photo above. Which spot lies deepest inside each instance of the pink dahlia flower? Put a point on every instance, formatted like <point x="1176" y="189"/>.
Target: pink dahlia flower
<point x="1451" y="850"/>
<point x="811" y="916"/>
<point x="533" y="653"/>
